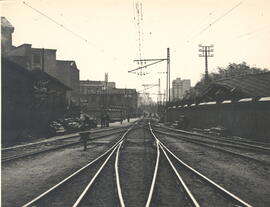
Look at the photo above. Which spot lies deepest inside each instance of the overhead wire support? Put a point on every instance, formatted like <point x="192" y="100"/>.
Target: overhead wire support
<point x="145" y="66"/>
<point x="150" y="59"/>
<point x="147" y="87"/>
<point x="158" y="61"/>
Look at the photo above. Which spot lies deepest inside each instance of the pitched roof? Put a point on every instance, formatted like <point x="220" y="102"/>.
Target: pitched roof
<point x="249" y="86"/>
<point x="12" y="66"/>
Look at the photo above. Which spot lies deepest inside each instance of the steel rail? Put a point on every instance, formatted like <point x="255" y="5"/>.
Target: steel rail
<point x="79" y="200"/>
<point x="78" y="171"/>
<point x="188" y="192"/>
<point x="227" y="143"/>
<point x="8" y="159"/>
<point x="154" y="176"/>
<point x="251" y="146"/>
<point x="225" y="192"/>
<point x="119" y="191"/>
<point x="235" y="138"/>
<point x="216" y="148"/>
<point x="68" y="136"/>
<point x="37" y="143"/>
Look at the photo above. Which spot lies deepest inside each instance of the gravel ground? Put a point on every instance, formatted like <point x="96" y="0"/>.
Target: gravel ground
<point x="167" y="191"/>
<point x="44" y="139"/>
<point x="73" y="189"/>
<point x="246" y="179"/>
<point x="136" y="167"/>
<point x="25" y="179"/>
<point x="104" y="192"/>
<point x="51" y="144"/>
<point x="205" y="195"/>
<point x="205" y="135"/>
<point x="264" y="156"/>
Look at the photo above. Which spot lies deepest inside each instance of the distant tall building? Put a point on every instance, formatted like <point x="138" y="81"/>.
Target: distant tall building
<point x="179" y="87"/>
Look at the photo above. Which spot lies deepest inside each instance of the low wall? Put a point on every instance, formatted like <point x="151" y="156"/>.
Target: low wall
<point x="245" y="119"/>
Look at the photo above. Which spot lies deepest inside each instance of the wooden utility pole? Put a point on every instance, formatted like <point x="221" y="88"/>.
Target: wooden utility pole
<point x="206" y="52"/>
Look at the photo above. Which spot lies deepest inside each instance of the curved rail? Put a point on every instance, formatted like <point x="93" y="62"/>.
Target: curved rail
<point x="190" y="195"/>
<point x="211" y="145"/>
<point x="154" y="176"/>
<point x="78" y="171"/>
<point x="187" y="191"/>
<point x="79" y="200"/>
<point x="120" y="196"/>
<point x="222" y="190"/>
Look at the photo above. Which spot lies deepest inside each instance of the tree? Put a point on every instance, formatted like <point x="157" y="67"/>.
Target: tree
<point x="232" y="70"/>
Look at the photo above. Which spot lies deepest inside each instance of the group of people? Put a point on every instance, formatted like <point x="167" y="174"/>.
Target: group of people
<point x="86" y="123"/>
<point x="104" y="120"/>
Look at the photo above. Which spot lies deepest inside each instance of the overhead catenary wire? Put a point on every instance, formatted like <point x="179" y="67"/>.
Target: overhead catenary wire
<point x="86" y="41"/>
<point x="56" y="22"/>
<point x="194" y="31"/>
<point x="254" y="32"/>
<point x="216" y="20"/>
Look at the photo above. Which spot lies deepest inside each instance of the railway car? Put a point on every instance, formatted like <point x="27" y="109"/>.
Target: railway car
<point x="114" y="114"/>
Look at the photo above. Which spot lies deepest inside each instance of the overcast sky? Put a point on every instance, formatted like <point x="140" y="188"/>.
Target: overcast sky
<point x="239" y="34"/>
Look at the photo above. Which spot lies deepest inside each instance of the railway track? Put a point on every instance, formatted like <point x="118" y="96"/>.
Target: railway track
<point x="57" y="139"/>
<point x="233" y="138"/>
<point x="80" y="184"/>
<point x="29" y="150"/>
<point x="175" y="163"/>
<point x="138" y="170"/>
<point x="259" y="146"/>
<point x="254" y="153"/>
<point x="137" y="163"/>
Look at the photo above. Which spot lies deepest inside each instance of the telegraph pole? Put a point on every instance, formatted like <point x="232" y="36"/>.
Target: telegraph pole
<point x="206" y="52"/>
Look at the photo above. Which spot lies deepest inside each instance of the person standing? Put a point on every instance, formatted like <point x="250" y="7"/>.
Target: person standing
<point x="107" y="120"/>
<point x="102" y="120"/>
